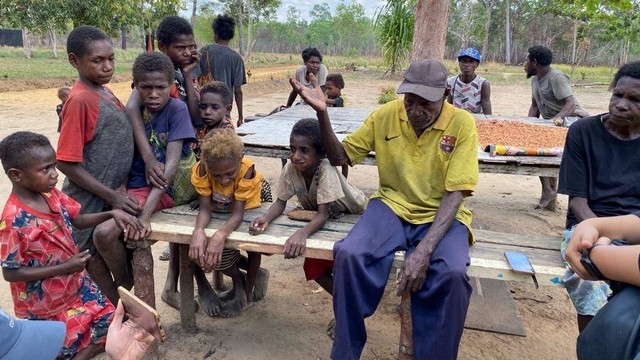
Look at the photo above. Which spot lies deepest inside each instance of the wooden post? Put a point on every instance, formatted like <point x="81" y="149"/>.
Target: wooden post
<point x="406" y="328"/>
<point x="187" y="311"/>
<point x="143" y="275"/>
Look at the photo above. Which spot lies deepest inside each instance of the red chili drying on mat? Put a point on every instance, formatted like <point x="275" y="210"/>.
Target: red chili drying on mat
<point x="515" y="133"/>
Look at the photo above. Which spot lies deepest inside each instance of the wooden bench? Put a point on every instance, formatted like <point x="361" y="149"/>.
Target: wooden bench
<point x="487" y="255"/>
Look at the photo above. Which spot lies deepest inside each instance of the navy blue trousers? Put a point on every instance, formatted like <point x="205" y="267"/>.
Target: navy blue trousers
<point x="362" y="264"/>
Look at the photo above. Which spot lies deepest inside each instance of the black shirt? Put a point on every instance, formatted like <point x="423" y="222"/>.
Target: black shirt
<point x="601" y="168"/>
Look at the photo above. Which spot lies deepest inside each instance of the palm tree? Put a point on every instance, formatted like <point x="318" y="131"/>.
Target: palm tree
<point x="394" y="26"/>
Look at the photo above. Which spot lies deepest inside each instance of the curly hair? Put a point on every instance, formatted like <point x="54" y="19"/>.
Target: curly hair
<point x="221" y="144"/>
<point x="15" y="149"/>
<point x="81" y="37"/>
<point x="310" y="129"/>
<point x="309" y="52"/>
<point x="224" y="27"/>
<point x="63" y="92"/>
<point x="336" y="79"/>
<point x="631" y="70"/>
<point x="152" y="62"/>
<point x="217" y="87"/>
<point x="171" y="27"/>
<point x="541" y="54"/>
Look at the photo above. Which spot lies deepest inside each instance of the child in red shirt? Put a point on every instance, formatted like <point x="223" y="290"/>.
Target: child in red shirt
<point x="38" y="254"/>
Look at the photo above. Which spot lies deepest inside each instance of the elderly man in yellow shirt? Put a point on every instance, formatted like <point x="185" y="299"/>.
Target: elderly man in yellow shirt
<point x="426" y="152"/>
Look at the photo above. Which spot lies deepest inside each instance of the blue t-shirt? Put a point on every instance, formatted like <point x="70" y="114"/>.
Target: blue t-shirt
<point x="170" y="124"/>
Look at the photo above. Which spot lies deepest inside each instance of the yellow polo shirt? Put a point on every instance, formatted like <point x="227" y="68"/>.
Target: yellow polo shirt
<point x="415" y="172"/>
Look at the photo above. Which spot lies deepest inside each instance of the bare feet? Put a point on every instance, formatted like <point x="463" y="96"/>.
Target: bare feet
<point x="172" y="298"/>
<point x="262" y="283"/>
<point x="548" y="201"/>
<point x="235" y="306"/>
<point x="331" y="329"/>
<point x="210" y="303"/>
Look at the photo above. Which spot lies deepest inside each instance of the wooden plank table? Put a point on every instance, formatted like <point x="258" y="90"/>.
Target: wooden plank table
<point x="269" y="137"/>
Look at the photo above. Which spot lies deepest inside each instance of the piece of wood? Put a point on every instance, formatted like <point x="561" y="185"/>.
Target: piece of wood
<point x="491" y="308"/>
<point x="187" y="310"/>
<point x="405" y="351"/>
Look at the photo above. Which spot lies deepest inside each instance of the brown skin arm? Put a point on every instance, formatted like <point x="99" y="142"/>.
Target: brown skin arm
<point x="193" y="103"/>
<point x="568" y="107"/>
<point x="292" y="97"/>
<point x="153" y="168"/>
<point x="237" y="92"/>
<point x="297" y="243"/>
<point x="259" y="224"/>
<point x="117" y="199"/>
<point x="533" y="109"/>
<point x="75" y="264"/>
<point x="414" y="271"/>
<point x="315" y="98"/>
<point x="485" y="95"/>
<point x="580" y="208"/>
<point x="121" y="218"/>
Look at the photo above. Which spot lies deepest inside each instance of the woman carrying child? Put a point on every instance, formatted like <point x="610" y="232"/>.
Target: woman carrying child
<point x="319" y="187"/>
<point x="226" y="181"/>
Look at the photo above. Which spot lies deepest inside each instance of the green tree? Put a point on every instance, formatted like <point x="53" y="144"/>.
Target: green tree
<point x="394" y="27"/>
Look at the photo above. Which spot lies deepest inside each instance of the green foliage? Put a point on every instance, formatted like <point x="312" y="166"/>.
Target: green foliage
<point x="394" y="27"/>
<point x="387" y="94"/>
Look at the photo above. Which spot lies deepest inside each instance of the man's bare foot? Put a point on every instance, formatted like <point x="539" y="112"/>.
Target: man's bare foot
<point x="172" y="298"/>
<point x="210" y="303"/>
<point x="331" y="329"/>
<point x="548" y="201"/>
<point x="262" y="283"/>
<point x="235" y="306"/>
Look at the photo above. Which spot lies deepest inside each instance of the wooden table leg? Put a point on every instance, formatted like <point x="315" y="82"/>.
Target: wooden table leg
<point x="405" y="351"/>
<point x="187" y="311"/>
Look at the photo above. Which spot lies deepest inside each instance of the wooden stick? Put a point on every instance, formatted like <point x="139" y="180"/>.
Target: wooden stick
<point x="187" y="311"/>
<point x="405" y="351"/>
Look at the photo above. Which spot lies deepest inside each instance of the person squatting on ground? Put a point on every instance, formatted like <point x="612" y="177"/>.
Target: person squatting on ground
<point x="38" y="255"/>
<point x="227" y="181"/>
<point x="426" y="151"/>
<point x="468" y="90"/>
<point x="552" y="98"/>
<point x="599" y="172"/>
<point x="320" y="188"/>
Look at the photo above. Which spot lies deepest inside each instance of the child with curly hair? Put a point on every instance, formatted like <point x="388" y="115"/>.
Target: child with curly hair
<point x="226" y="181"/>
<point x="319" y="187"/>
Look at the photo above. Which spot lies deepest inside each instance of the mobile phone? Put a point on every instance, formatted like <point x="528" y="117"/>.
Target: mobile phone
<point x="142" y="314"/>
<point x="519" y="262"/>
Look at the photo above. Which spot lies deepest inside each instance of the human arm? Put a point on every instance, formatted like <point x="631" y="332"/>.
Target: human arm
<point x="154" y="169"/>
<point x="580" y="208"/>
<point x="126" y="340"/>
<point x="533" y="109"/>
<point x="199" y="237"/>
<point x="193" y="102"/>
<point x="259" y="225"/>
<point x="117" y="199"/>
<point x="296" y="243"/>
<point x="315" y="98"/>
<point x="83" y="221"/>
<point x="568" y="107"/>
<point x="173" y="152"/>
<point x="414" y="270"/>
<point x="215" y="245"/>
<point x="602" y="230"/>
<point x="73" y="265"/>
<point x="237" y="92"/>
<point x="485" y="96"/>
<point x="292" y="97"/>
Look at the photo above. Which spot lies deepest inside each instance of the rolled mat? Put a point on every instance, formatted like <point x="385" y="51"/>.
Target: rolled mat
<point x="506" y="150"/>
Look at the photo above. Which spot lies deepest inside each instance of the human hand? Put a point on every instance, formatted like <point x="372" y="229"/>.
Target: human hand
<point x="295" y="245"/>
<point x="140" y="234"/>
<point x="195" y="204"/>
<point x="77" y="262"/>
<point x="154" y="170"/>
<point x="240" y="121"/>
<point x="558" y="121"/>
<point x="127" y="223"/>
<point x="584" y="237"/>
<point x="314" y="96"/>
<point x="414" y="271"/>
<point x="125" y="202"/>
<point x="258" y="225"/>
<point x="196" y="248"/>
<point x="195" y="61"/>
<point x="213" y="251"/>
<point x="126" y="341"/>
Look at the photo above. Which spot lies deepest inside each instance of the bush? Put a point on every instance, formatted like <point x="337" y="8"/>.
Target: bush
<point x="386" y="95"/>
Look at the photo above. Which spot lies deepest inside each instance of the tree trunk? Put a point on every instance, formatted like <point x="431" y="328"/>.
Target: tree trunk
<point x="241" y="28"/>
<point x="488" y="5"/>
<point x="26" y="43"/>
<point x="54" y="45"/>
<point x="123" y="34"/>
<point x="193" y="13"/>
<point x="249" y="9"/>
<point x="575" y="42"/>
<point x="507" y="31"/>
<point x="430" y="29"/>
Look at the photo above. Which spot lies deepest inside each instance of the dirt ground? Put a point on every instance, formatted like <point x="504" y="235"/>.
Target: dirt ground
<point x="290" y="323"/>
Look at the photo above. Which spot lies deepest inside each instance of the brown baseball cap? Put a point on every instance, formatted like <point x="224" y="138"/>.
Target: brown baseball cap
<point x="426" y="78"/>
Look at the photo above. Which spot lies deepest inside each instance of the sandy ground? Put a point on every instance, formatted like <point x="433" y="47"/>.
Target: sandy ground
<point x="290" y="322"/>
